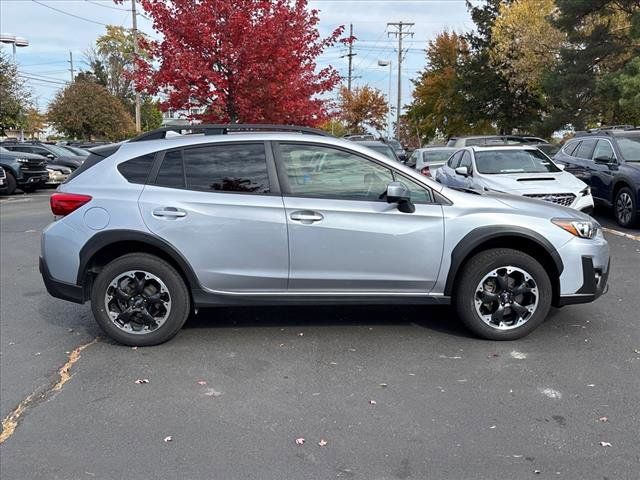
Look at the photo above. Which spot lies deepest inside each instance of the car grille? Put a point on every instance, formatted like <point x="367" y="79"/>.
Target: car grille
<point x="34" y="165"/>
<point x="565" y="199"/>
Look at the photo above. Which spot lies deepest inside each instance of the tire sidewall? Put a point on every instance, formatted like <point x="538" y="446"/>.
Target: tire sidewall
<point x="180" y="300"/>
<point x="474" y="272"/>
<point x="11" y="183"/>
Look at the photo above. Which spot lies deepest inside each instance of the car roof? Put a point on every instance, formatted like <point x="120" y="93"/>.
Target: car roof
<point x="478" y="148"/>
<point x="437" y="148"/>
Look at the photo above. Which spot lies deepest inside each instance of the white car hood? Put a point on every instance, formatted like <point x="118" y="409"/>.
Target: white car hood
<point x="530" y="183"/>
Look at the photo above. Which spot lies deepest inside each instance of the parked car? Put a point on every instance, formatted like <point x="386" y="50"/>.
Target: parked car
<point x="398" y="148"/>
<point x="381" y="147"/>
<point x="55" y="154"/>
<point x="609" y="162"/>
<point x="153" y="228"/>
<point x="23" y="170"/>
<point x="57" y="174"/>
<point x="518" y="170"/>
<point x="428" y="159"/>
<point x="3" y="181"/>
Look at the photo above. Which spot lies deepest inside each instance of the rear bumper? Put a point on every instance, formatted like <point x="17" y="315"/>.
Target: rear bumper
<point x="58" y="289"/>
<point x="594" y="284"/>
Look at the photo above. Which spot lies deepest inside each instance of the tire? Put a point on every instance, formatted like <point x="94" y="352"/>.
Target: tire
<point x="11" y="183"/>
<point x="625" y="208"/>
<point x="160" y="273"/>
<point x="479" y="269"/>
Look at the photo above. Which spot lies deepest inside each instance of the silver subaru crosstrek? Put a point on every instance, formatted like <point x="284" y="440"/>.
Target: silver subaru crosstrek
<point x="173" y="220"/>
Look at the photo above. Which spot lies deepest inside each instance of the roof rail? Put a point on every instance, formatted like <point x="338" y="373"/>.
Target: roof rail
<point x="223" y="129"/>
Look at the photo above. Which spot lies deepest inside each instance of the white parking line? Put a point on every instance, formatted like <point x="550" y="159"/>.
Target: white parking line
<point x="621" y="234"/>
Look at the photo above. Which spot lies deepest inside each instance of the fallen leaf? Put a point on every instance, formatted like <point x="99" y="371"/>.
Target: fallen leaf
<point x="301" y="334"/>
<point x="332" y="363"/>
<point x="69" y="330"/>
<point x="134" y="348"/>
<point x="373" y="402"/>
<point x="493" y="355"/>
<point x="537" y="472"/>
<point x="605" y="444"/>
<point x="492" y="426"/>
<point x="591" y="385"/>
<point x="603" y="419"/>
<point x="300" y="441"/>
<point x="322" y="442"/>
<point x="202" y="382"/>
<point x="142" y="380"/>
<point x="12" y="343"/>
<point x="37" y="354"/>
<point x="168" y="439"/>
<point x="383" y="385"/>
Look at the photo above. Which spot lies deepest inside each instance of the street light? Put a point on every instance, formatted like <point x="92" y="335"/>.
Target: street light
<point x="387" y="63"/>
<point x="15" y="41"/>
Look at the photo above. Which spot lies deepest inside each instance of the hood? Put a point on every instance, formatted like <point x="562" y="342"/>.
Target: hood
<point x="71" y="161"/>
<point x="30" y="156"/>
<point x="529" y="183"/>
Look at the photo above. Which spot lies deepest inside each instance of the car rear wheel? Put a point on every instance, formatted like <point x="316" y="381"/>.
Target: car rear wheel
<point x="140" y="300"/>
<point x="503" y="294"/>
<point x="625" y="208"/>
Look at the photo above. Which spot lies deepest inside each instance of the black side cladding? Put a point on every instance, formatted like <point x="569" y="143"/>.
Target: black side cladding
<point x="96" y="155"/>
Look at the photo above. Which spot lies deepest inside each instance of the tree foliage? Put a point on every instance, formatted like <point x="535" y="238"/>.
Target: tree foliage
<point x="438" y="106"/>
<point x="15" y="97"/>
<point x="247" y="60"/>
<point x="362" y="108"/>
<point x="86" y="109"/>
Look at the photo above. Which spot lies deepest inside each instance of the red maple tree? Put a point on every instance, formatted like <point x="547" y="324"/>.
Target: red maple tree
<point x="250" y="61"/>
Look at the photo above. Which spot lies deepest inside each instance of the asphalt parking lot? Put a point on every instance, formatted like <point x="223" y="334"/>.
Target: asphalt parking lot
<point x="394" y="392"/>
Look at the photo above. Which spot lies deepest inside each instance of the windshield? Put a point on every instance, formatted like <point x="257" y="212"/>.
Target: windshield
<point x="394" y="144"/>
<point x="435" y="156"/>
<point x="630" y="147"/>
<point x="61" y="152"/>
<point x="514" y="161"/>
<point x="383" y="149"/>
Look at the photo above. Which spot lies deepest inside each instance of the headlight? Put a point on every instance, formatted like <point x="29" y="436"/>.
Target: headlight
<point x="585" y="192"/>
<point x="579" y="228"/>
<point x="22" y="160"/>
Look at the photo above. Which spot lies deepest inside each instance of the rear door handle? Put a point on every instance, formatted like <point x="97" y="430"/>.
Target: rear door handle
<point x="169" y="212"/>
<point x="306" y="217"/>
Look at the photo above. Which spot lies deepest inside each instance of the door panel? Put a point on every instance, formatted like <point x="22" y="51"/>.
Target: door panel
<point x="364" y="246"/>
<point x="233" y="242"/>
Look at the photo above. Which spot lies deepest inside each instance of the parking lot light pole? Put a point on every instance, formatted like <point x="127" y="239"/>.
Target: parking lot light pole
<point x="385" y="63"/>
<point x="10" y="38"/>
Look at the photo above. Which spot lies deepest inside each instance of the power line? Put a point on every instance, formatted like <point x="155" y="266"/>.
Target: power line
<point x="69" y="14"/>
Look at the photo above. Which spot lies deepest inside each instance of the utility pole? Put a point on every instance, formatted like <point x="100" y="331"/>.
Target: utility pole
<point x="400" y="33"/>
<point x="350" y="55"/>
<point x="134" y="29"/>
<point x="71" y="65"/>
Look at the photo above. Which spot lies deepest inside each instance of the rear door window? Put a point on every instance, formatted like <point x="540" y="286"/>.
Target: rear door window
<point x="604" y="151"/>
<point x="585" y="149"/>
<point x="171" y="173"/>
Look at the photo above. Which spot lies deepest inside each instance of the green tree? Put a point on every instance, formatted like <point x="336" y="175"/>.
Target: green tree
<point x="87" y="110"/>
<point x="15" y="97"/>
<point x="111" y="65"/>
<point x="438" y="107"/>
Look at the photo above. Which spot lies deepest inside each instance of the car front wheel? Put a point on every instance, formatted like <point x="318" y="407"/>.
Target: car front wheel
<point x="503" y="294"/>
<point x="140" y="300"/>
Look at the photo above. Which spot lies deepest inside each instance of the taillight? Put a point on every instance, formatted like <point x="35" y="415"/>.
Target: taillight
<point x="425" y="171"/>
<point x="65" y="203"/>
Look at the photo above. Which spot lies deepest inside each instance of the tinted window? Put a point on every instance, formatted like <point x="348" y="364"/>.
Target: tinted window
<point x="585" y="148"/>
<point x="570" y="147"/>
<point x="454" y="160"/>
<point x="514" y="161"/>
<point x="137" y="169"/>
<point x="227" y="168"/>
<point x="171" y="172"/>
<point x="319" y="171"/>
<point x="603" y="151"/>
<point x="466" y="161"/>
<point x="630" y="147"/>
<point x="436" y="156"/>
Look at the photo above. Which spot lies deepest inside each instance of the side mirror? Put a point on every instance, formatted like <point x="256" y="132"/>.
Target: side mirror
<point x="464" y="171"/>
<point x="50" y="156"/>
<point x="561" y="166"/>
<point x="398" y="192"/>
<point x="604" y="160"/>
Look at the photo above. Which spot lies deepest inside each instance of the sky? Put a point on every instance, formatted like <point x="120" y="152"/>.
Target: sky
<point x="56" y="27"/>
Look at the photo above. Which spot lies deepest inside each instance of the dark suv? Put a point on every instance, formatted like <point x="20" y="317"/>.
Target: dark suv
<point x="609" y="162"/>
<point x="23" y="170"/>
<point x="55" y="154"/>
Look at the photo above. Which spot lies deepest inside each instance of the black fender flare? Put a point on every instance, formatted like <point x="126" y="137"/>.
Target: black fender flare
<point x="480" y="235"/>
<point x="104" y="239"/>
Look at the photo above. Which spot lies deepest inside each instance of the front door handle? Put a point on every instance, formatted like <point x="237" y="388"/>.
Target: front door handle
<point x="169" y="212"/>
<point x="307" y="217"/>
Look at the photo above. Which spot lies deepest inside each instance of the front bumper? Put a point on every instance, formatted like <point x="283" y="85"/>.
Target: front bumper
<point x="58" y="289"/>
<point x="33" y="178"/>
<point x="584" y="204"/>
<point x="594" y="284"/>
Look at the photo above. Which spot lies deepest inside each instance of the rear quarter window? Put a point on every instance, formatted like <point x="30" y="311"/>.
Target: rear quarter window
<point x="137" y="169"/>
